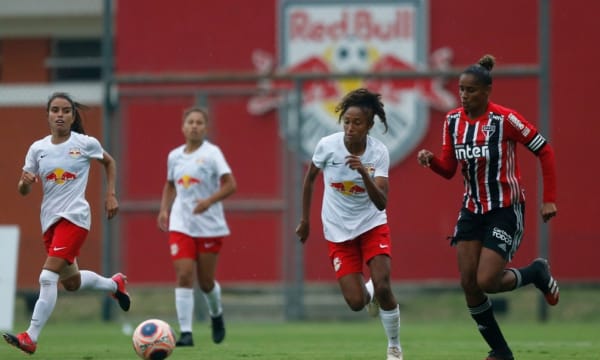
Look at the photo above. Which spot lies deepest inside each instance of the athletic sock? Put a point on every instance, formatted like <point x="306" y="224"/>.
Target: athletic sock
<point x="213" y="300"/>
<point x="525" y="275"/>
<point x="370" y="289"/>
<point x="91" y="280"/>
<point x="488" y="327"/>
<point x="391" y="324"/>
<point x="184" y="305"/>
<point x="44" y="304"/>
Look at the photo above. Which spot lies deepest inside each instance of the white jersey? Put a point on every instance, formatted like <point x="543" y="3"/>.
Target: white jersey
<point x="347" y="209"/>
<point x="197" y="176"/>
<point x="63" y="170"/>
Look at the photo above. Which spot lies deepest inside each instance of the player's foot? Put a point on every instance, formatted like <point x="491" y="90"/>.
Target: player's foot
<point x="121" y="294"/>
<point x="492" y="355"/>
<point x="185" y="339"/>
<point x="373" y="305"/>
<point x="545" y="282"/>
<point x="394" y="353"/>
<point x="218" y="329"/>
<point x="21" y="341"/>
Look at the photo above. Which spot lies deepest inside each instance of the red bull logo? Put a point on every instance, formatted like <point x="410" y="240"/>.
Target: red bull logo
<point x="341" y="38"/>
<point x="60" y="176"/>
<point x="186" y="181"/>
<point x="348" y="188"/>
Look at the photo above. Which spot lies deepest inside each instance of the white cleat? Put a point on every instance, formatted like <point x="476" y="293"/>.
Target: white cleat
<point x="394" y="353"/>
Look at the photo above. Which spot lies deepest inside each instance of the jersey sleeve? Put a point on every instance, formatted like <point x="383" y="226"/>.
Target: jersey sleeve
<point x="320" y="155"/>
<point x="170" y="166"/>
<point x="94" y="148"/>
<point x="520" y="130"/>
<point x="31" y="164"/>
<point x="382" y="166"/>
<point x="445" y="165"/>
<point x="222" y="167"/>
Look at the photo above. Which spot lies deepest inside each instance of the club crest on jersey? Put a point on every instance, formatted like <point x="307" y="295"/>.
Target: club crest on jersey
<point x="74" y="152"/>
<point x="488" y="130"/>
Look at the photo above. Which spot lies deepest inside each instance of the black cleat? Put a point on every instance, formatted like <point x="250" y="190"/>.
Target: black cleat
<point x="185" y="339"/>
<point x="545" y="282"/>
<point x="218" y="329"/>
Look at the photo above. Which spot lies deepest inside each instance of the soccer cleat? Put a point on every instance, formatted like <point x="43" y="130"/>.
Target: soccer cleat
<point x="546" y="283"/>
<point x="21" y="341"/>
<point x="121" y="294"/>
<point x="373" y="305"/>
<point x="394" y="353"/>
<point x="218" y="329"/>
<point x="492" y="355"/>
<point x="185" y="339"/>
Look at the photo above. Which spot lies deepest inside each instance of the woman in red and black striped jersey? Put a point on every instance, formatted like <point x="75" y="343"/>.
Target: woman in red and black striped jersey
<point x="482" y="137"/>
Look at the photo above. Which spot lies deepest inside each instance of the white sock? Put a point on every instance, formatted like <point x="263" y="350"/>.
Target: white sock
<point x="44" y="304"/>
<point x="91" y="280"/>
<point x="391" y="324"/>
<point x="213" y="300"/>
<point x="184" y="305"/>
<point x="370" y="289"/>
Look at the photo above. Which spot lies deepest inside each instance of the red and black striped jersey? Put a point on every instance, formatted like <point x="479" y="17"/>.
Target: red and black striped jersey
<point x="486" y="149"/>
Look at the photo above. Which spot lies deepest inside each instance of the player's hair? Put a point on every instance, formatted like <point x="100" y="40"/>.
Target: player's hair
<point x="482" y="70"/>
<point x="77" y="125"/>
<point x="193" y="109"/>
<point x="368" y="101"/>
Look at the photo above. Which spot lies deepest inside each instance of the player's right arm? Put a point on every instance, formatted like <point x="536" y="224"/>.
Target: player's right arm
<point x="25" y="182"/>
<point x="303" y="228"/>
<point x="168" y="196"/>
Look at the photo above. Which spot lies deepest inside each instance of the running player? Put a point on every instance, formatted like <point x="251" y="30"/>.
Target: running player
<point x="355" y="170"/>
<point x="481" y="136"/>
<point x="191" y="210"/>
<point x="61" y="163"/>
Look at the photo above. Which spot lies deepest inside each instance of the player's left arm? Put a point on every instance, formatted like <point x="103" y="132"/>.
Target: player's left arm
<point x="111" y="204"/>
<point x="527" y="134"/>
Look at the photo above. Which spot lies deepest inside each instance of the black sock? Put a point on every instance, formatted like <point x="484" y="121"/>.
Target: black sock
<point x="525" y="275"/>
<point x="488" y="327"/>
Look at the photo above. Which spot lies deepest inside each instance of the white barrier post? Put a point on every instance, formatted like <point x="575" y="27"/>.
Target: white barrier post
<point x="9" y="256"/>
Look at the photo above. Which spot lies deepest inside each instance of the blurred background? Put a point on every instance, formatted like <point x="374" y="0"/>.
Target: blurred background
<point x="270" y="73"/>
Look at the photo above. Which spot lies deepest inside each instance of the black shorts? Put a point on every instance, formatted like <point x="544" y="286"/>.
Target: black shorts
<point x="500" y="229"/>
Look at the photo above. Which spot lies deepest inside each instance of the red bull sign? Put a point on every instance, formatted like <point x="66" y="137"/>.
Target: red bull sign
<point x="354" y="37"/>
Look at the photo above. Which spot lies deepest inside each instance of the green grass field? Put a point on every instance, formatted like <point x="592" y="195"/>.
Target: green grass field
<point x="434" y="326"/>
<point x="315" y="340"/>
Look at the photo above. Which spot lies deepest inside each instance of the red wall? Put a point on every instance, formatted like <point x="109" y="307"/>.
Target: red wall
<point x="216" y="36"/>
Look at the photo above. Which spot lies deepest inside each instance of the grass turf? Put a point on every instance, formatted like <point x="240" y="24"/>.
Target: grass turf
<point x="324" y="340"/>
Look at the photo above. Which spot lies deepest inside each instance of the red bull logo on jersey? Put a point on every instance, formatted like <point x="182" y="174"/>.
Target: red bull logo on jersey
<point x="60" y="176"/>
<point x="186" y="181"/>
<point x="348" y="188"/>
<point x="337" y="37"/>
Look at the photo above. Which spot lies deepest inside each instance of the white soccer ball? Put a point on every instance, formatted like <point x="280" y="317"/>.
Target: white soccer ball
<point x="153" y="339"/>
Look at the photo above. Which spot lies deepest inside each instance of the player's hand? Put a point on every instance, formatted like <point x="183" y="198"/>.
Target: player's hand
<point x="201" y="206"/>
<point x="163" y="221"/>
<point x="548" y="211"/>
<point x="424" y="158"/>
<point x="111" y="205"/>
<point x="354" y="163"/>
<point x="302" y="230"/>
<point x="28" y="178"/>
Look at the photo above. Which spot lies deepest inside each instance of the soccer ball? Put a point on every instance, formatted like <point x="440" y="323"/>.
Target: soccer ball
<point x="153" y="339"/>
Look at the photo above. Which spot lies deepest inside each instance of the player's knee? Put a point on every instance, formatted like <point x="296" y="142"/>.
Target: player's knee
<point x="489" y="284"/>
<point x="48" y="278"/>
<point x="356" y="303"/>
<point x="71" y="284"/>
